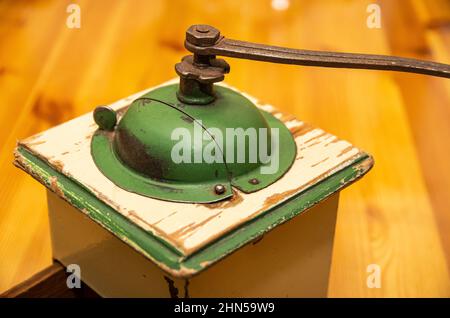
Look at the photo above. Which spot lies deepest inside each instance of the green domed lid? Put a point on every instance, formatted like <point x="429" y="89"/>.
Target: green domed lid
<point x="170" y="150"/>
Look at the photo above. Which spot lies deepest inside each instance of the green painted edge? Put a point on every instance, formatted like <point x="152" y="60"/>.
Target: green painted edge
<point x="161" y="252"/>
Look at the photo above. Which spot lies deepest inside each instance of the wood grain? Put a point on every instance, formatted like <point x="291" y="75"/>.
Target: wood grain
<point x="396" y="217"/>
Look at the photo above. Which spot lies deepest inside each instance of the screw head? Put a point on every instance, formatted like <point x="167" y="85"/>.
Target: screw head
<point x="202" y="35"/>
<point x="202" y="28"/>
<point x="253" y="181"/>
<point x="219" y="189"/>
<point x="105" y="117"/>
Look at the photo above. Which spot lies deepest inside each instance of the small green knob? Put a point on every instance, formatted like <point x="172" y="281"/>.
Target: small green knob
<point x="105" y="117"/>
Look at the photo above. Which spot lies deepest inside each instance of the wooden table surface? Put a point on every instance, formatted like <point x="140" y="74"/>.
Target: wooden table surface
<point x="397" y="217"/>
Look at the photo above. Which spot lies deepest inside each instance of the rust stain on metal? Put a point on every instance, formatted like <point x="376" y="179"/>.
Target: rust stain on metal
<point x="227" y="203"/>
<point x="140" y="158"/>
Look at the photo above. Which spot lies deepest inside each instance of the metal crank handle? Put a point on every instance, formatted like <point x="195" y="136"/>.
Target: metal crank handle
<point x="205" y="41"/>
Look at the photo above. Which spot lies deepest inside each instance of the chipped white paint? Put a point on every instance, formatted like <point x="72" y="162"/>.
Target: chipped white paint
<point x="188" y="226"/>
